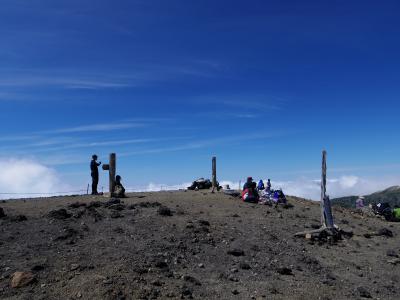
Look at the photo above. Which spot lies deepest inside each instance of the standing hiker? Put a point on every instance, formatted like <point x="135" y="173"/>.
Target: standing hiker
<point x="95" y="174"/>
<point x="269" y="185"/>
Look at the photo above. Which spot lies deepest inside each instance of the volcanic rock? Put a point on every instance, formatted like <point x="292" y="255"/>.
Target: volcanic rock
<point x="385" y="232"/>
<point x="363" y="292"/>
<point x="19" y="218"/>
<point x="2" y="214"/>
<point x="285" y="271"/>
<point x="164" y="211"/>
<point x="236" y="252"/>
<point x="59" y="214"/>
<point x="21" y="279"/>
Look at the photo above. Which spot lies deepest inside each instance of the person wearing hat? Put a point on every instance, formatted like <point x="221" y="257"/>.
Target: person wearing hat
<point x="249" y="184"/>
<point x="250" y="193"/>
<point x="94" y="168"/>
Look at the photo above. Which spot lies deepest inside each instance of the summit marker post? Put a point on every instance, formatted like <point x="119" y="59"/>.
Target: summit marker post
<point x="214" y="173"/>
<point x="112" y="171"/>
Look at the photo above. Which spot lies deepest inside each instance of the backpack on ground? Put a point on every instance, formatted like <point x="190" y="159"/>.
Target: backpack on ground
<point x="248" y="195"/>
<point x="396" y="214"/>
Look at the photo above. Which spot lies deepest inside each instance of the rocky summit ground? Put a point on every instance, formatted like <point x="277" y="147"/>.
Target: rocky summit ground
<point x="182" y="245"/>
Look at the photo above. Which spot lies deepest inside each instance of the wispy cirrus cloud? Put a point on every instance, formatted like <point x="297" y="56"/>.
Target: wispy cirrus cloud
<point x="228" y="115"/>
<point x="241" y="105"/>
<point x="143" y="74"/>
<point x="100" y="145"/>
<point x="198" y="144"/>
<point x="96" y="127"/>
<point x="252" y="103"/>
<point x="20" y="138"/>
<point x="64" y="80"/>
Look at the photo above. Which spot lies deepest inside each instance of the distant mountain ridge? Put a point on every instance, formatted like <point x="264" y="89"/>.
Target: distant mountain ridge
<point x="390" y="195"/>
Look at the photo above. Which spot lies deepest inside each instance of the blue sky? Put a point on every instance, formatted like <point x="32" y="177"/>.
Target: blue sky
<point x="264" y="85"/>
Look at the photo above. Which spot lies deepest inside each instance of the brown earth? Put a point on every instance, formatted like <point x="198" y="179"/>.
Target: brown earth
<point x="183" y="245"/>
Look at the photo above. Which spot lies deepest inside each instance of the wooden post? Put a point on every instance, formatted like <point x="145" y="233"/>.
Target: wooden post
<point x="328" y="226"/>
<point x="323" y="188"/>
<point x="326" y="208"/>
<point x="214" y="172"/>
<point x="113" y="168"/>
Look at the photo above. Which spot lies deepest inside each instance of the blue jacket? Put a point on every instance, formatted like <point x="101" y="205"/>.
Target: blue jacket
<point x="260" y="185"/>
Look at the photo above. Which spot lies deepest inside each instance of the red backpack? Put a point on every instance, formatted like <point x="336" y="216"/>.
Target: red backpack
<point x="248" y="195"/>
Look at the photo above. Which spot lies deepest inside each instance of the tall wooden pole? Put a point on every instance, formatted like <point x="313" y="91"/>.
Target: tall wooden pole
<point x="214" y="172"/>
<point x="326" y="207"/>
<point x="323" y="189"/>
<point x="327" y="224"/>
<point x="112" y="171"/>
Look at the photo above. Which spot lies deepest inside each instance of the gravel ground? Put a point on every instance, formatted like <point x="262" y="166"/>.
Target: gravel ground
<point x="183" y="245"/>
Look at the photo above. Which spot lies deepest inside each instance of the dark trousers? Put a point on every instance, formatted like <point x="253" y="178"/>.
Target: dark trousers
<point x="95" y="182"/>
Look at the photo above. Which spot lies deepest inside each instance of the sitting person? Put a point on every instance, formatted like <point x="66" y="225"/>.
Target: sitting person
<point x="119" y="190"/>
<point x="250" y="193"/>
<point x="275" y="197"/>
<point x="282" y="197"/>
<point x="266" y="197"/>
<point x="249" y="183"/>
<point x="279" y="197"/>
<point x="360" y="202"/>
<point x="383" y="209"/>
<point x="260" y="185"/>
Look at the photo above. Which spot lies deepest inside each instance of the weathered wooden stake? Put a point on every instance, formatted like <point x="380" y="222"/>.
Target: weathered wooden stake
<point x="214" y="173"/>
<point x="326" y="208"/>
<point x="327" y="225"/>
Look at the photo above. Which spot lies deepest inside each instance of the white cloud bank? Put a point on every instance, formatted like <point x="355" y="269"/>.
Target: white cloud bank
<point x="337" y="187"/>
<point x="305" y="187"/>
<point x="23" y="178"/>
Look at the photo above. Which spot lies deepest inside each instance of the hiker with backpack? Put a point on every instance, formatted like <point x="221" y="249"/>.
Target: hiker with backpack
<point x="260" y="186"/>
<point x="279" y="197"/>
<point x="360" y="202"/>
<point x="119" y="190"/>
<point x="250" y="193"/>
<point x="396" y="214"/>
<point x="384" y="209"/>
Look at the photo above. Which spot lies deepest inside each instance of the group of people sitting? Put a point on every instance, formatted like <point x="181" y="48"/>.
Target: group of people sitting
<point x="389" y="213"/>
<point x="380" y="209"/>
<point x="259" y="193"/>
